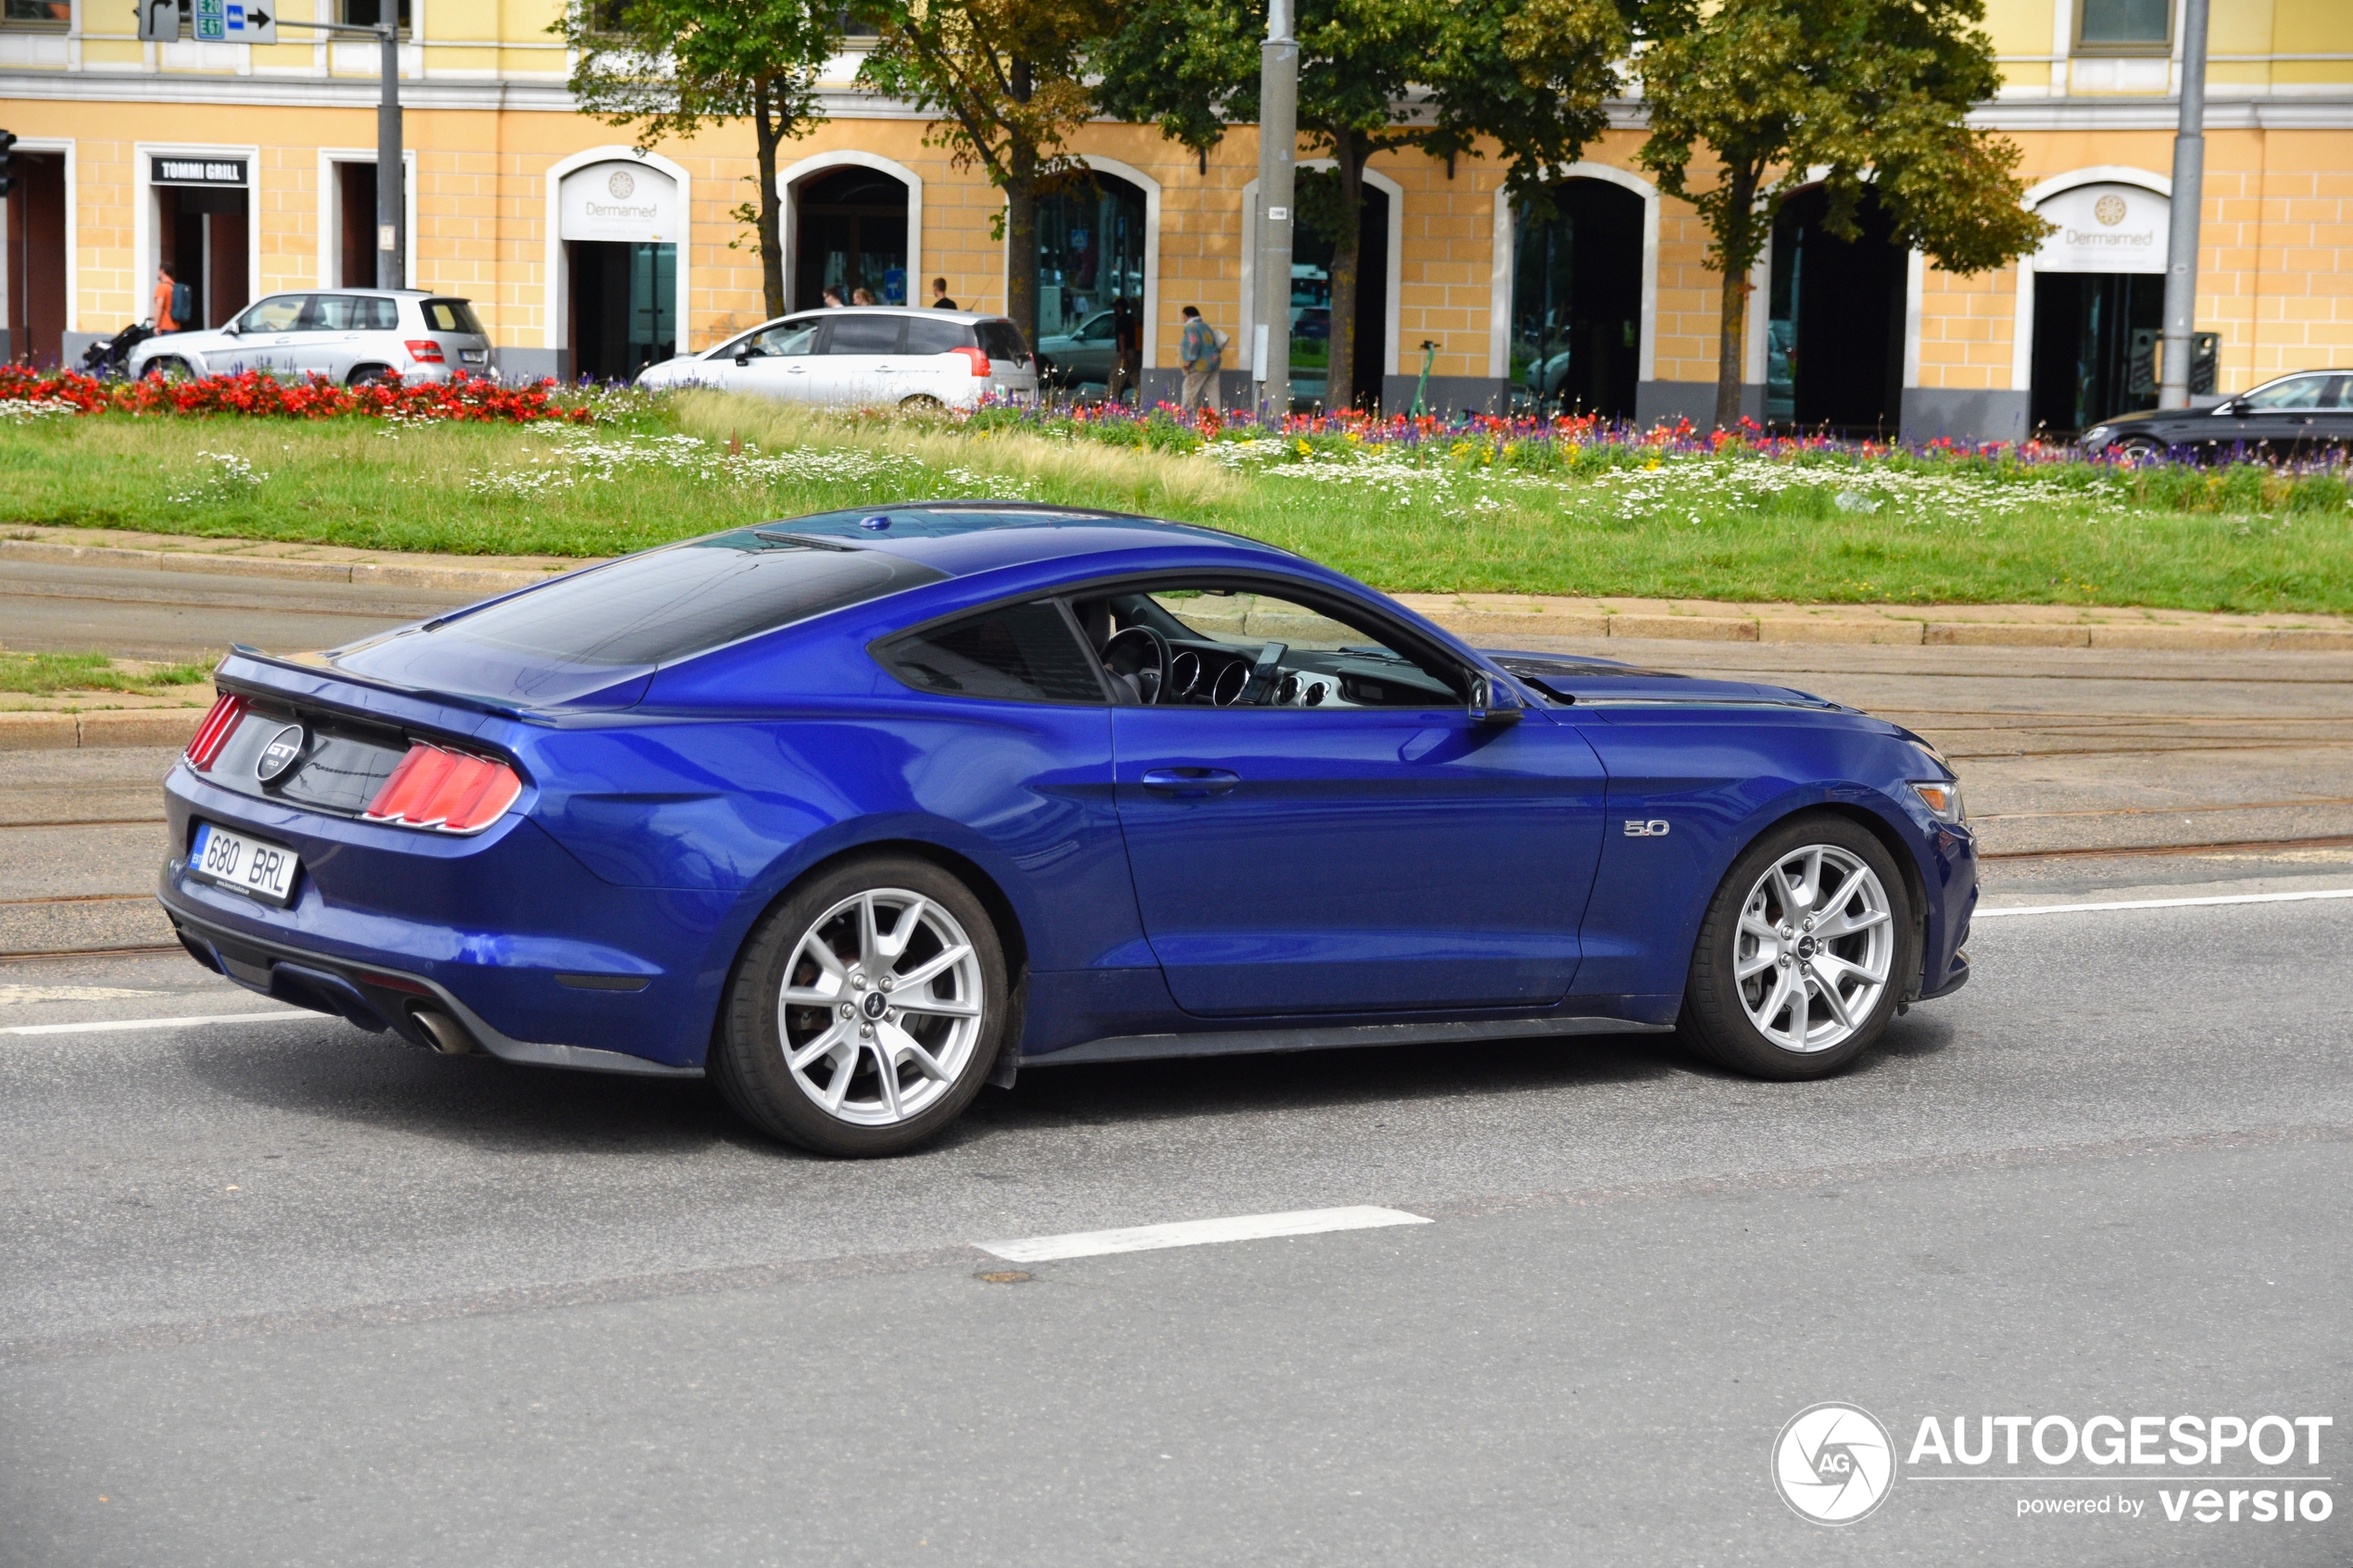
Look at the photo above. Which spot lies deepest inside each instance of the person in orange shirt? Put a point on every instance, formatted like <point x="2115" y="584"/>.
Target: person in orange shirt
<point x="165" y="283"/>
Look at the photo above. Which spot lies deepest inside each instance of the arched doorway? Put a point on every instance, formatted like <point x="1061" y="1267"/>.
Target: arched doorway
<point x="2099" y="304"/>
<point x="619" y="223"/>
<point x="1091" y="261"/>
<point x="851" y="233"/>
<point x="1577" y="302"/>
<point x="1834" y="321"/>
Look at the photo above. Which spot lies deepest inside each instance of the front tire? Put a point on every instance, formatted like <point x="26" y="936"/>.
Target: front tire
<point x="1803" y="953"/>
<point x="867" y="1011"/>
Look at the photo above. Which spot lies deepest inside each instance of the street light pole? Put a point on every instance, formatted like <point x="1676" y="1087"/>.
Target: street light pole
<point x="1278" y="147"/>
<point x="392" y="252"/>
<point x="2180" y="241"/>
<point x="392" y="212"/>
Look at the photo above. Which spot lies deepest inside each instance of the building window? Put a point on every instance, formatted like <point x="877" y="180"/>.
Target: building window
<point x="371" y="13"/>
<point x="37" y="16"/>
<point x="2124" y="27"/>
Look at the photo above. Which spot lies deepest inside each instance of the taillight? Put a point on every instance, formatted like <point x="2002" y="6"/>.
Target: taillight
<point x="447" y="790"/>
<point x="978" y="358"/>
<point x="424" y="351"/>
<point x="214" y="733"/>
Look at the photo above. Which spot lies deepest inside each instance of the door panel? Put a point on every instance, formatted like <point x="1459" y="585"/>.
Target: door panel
<point x="1358" y="859"/>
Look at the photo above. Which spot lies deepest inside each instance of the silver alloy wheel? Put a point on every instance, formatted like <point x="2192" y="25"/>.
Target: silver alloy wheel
<point x="881" y="1007"/>
<point x="1815" y="944"/>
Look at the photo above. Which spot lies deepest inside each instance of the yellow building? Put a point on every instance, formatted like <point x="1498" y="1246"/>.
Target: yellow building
<point x="252" y="168"/>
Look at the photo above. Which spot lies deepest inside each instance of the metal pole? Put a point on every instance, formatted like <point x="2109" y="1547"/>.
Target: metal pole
<point x="392" y="250"/>
<point x="1278" y="147"/>
<point x="2180" y="241"/>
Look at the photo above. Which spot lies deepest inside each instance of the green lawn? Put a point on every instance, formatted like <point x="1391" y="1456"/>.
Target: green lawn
<point x="1448" y="514"/>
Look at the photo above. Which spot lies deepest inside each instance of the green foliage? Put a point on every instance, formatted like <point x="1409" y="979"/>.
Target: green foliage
<point x="671" y="66"/>
<point x="46" y="674"/>
<point x="1862" y="88"/>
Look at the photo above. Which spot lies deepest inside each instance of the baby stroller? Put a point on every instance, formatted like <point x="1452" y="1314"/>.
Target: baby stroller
<point x="108" y="357"/>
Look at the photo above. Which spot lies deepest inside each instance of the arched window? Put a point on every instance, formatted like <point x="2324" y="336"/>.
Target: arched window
<point x="1834" y="320"/>
<point x="1091" y="256"/>
<point x="852" y="229"/>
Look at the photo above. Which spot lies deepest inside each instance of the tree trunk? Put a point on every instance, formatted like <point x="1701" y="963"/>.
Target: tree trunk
<point x="1021" y="217"/>
<point x="1340" y="380"/>
<point x="1740" y="248"/>
<point x="1731" y="349"/>
<point x="769" y="136"/>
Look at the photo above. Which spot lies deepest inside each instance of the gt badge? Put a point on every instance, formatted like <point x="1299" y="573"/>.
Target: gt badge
<point x="278" y="758"/>
<point x="1655" y="828"/>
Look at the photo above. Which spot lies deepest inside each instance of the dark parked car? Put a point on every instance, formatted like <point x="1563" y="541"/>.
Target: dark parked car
<point x="2296" y="416"/>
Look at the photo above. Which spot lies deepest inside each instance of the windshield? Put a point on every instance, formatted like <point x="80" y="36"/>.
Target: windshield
<point x="595" y="630"/>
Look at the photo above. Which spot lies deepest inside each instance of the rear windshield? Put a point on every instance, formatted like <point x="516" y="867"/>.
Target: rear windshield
<point x="451" y="316"/>
<point x="586" y="634"/>
<point x="1001" y="340"/>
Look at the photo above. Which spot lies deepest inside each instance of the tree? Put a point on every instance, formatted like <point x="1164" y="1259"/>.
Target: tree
<point x="1444" y="76"/>
<point x="670" y="67"/>
<point x="1004" y="75"/>
<point x="1873" y="91"/>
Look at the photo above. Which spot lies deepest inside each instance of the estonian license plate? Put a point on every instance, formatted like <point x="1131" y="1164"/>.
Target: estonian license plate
<point x="265" y="870"/>
<point x="473" y="356"/>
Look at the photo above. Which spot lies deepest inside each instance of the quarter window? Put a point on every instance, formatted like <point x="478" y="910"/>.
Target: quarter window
<point x="1018" y="653"/>
<point x="925" y="336"/>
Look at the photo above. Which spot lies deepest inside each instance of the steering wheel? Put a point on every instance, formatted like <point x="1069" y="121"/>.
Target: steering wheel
<point x="1147" y="655"/>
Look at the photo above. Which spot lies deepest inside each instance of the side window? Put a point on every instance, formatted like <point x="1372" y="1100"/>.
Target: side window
<point x="1239" y="647"/>
<point x="1017" y="653"/>
<point x="332" y="313"/>
<point x="937" y="337"/>
<point x="2299" y="392"/>
<point x="784" y="339"/>
<point x="859" y="333"/>
<point x="277" y="314"/>
<point x="372" y="314"/>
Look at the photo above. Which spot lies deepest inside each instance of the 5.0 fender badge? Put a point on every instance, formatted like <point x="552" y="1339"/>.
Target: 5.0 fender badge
<point x="278" y="758"/>
<point x="1655" y="828"/>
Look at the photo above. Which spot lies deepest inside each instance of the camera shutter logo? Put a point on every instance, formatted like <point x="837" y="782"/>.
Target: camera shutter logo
<point x="621" y="185"/>
<point x="1834" y="1464"/>
<point x="2109" y="210"/>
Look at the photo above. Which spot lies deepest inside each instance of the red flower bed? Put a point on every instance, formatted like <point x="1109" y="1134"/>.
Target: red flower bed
<point x="462" y="398"/>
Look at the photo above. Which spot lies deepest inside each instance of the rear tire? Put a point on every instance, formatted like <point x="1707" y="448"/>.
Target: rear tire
<point x="1807" y="949"/>
<point x="367" y="375"/>
<point x="922" y="403"/>
<point x="866" y="1011"/>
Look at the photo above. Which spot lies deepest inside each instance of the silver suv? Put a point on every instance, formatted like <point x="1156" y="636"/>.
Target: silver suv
<point x="349" y="336"/>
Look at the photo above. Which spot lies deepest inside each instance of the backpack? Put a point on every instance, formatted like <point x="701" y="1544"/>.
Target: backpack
<point x="184" y="304"/>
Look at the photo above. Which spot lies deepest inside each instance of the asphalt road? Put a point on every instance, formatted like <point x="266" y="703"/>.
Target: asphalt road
<point x="282" y="1292"/>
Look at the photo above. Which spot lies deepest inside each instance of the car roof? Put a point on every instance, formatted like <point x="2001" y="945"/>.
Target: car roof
<point x="961" y="537"/>
<point x="927" y="312"/>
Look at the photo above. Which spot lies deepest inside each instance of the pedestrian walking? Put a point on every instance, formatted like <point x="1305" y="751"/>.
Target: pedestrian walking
<point x="1200" y="351"/>
<point x="167" y="285"/>
<point x="1126" y="355"/>
<point x="862" y="297"/>
<point x="832" y="297"/>
<point x="939" y="300"/>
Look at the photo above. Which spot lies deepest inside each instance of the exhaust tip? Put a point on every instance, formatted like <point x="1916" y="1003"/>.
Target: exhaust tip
<point x="448" y="1037"/>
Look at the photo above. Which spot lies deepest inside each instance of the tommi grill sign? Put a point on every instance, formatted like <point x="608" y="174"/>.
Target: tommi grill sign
<point x="197" y="171"/>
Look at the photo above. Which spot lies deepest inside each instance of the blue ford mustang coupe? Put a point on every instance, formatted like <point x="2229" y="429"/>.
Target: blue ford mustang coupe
<point x="859" y="812"/>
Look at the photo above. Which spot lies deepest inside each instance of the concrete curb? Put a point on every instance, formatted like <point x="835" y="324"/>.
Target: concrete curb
<point x="1487" y="627"/>
<point x="127" y="726"/>
<point x="398" y="574"/>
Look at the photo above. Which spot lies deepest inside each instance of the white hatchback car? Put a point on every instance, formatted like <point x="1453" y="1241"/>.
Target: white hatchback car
<point x="866" y="355"/>
<point x="349" y="336"/>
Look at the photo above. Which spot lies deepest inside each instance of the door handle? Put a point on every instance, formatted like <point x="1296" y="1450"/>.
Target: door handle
<point x="1191" y="784"/>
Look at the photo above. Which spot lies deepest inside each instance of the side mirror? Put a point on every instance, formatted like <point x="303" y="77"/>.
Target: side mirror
<point x="743" y="359"/>
<point x="1492" y="703"/>
<point x="2236" y="407"/>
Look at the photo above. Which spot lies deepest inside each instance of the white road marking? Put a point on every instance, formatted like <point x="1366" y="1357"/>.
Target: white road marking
<point x="2164" y="903"/>
<point x="100" y="1026"/>
<point x="1196" y="1233"/>
<point x="20" y="996"/>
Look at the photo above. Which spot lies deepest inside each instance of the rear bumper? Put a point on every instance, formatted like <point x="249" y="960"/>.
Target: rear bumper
<point x="506" y="931"/>
<point x="379" y="998"/>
